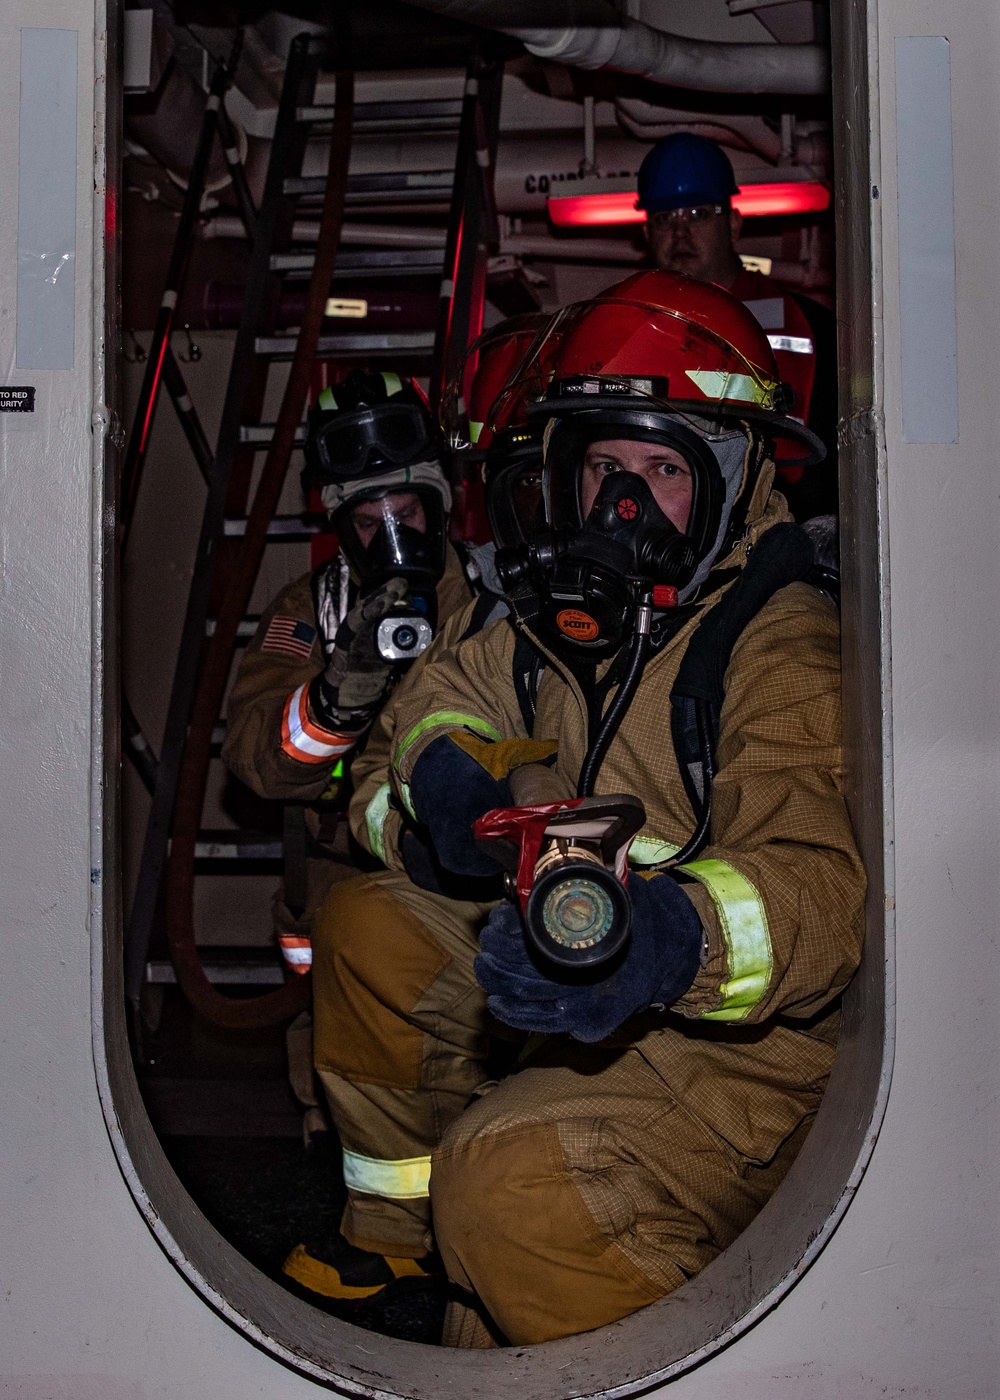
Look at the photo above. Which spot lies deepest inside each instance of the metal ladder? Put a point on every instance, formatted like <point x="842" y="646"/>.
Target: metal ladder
<point x="260" y="343"/>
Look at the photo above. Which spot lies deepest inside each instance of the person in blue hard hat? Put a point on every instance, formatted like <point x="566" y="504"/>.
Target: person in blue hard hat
<point x="686" y="187"/>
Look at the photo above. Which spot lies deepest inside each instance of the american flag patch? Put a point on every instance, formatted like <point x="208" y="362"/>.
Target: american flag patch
<point x="289" y="635"/>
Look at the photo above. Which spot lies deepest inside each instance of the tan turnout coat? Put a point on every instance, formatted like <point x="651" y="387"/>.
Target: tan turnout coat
<point x="780" y="887"/>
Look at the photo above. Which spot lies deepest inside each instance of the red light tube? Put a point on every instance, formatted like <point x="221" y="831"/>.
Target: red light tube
<point x="753" y="201"/>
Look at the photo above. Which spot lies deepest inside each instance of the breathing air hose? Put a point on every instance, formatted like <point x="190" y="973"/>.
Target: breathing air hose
<point x="699" y="836"/>
<point x="273" y="1007"/>
<point x="612" y="722"/>
<point x="620" y="704"/>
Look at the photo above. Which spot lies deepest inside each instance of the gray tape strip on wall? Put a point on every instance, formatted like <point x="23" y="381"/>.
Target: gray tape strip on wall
<point x="46" y="199"/>
<point x="926" y="203"/>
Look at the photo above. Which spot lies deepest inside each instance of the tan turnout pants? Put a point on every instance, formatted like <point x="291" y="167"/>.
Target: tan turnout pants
<point x="571" y="1194"/>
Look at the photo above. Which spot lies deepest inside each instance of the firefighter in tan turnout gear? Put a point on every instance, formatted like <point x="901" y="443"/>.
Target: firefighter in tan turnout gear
<point x="668" y="663"/>
<point x="332" y="644"/>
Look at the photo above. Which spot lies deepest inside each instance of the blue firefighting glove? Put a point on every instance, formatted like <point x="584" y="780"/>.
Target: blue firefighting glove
<point x="661" y="962"/>
<point x="449" y="789"/>
<point x="458" y="778"/>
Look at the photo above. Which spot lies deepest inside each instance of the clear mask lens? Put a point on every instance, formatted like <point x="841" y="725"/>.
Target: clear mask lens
<point x="397" y="534"/>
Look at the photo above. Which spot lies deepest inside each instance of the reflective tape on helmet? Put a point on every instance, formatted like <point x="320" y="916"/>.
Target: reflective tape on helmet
<point x="306" y="741"/>
<point x="327" y="401"/>
<point x="749" y="955"/>
<point x="444" y="719"/>
<point x="297" y="952"/>
<point x="375" y="815"/>
<point x="793" y="344"/>
<point x="407" y="1179"/>
<point x="393" y="383"/>
<point x="720" y="385"/>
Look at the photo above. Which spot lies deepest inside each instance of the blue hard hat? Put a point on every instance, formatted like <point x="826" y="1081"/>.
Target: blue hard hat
<point x="683" y="171"/>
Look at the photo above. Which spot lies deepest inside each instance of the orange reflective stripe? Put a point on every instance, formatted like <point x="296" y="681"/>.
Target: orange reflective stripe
<point x="306" y="741"/>
<point x="297" y="952"/>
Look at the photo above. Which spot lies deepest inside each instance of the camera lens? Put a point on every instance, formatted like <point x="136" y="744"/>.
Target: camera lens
<point x="405" y="637"/>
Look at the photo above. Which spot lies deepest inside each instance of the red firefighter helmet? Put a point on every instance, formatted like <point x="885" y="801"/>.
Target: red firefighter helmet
<point x="678" y="344"/>
<point x="665" y="359"/>
<point x="490" y="363"/>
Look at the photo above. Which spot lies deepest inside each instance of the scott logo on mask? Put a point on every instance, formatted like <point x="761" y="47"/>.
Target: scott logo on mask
<point x="578" y="625"/>
<point x="588" y="588"/>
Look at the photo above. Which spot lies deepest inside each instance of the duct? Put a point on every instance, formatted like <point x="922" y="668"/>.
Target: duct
<point x="688" y="63"/>
<point x="634" y="47"/>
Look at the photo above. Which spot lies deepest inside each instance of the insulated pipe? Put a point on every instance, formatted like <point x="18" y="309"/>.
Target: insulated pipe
<point x="634" y="47"/>
<point x="637" y="48"/>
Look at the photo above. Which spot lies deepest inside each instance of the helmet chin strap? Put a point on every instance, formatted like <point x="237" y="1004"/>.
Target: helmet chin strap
<point x="731" y="453"/>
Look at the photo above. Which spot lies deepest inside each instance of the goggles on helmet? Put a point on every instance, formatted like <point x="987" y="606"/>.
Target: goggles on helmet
<point x="382" y="435"/>
<point x="394" y="533"/>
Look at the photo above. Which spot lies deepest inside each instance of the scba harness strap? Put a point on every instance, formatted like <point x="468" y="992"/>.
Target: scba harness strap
<point x="783" y="555"/>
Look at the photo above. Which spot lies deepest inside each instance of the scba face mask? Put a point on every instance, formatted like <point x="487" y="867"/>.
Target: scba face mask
<point x="591" y="574"/>
<point x="394" y="533"/>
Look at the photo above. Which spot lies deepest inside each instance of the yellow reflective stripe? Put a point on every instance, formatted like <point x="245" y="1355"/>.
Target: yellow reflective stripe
<point x="450" y="719"/>
<point x="405" y="1180"/>
<point x="717" y="384"/>
<point x="393" y="383"/>
<point x="327" y="401"/>
<point x="743" y="921"/>
<point x="650" y="850"/>
<point x="475" y="431"/>
<point x="375" y="815"/>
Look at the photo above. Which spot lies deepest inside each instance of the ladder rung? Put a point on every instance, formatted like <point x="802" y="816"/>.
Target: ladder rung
<point x="385" y="262"/>
<point x="282" y="527"/>
<point x="398" y="183"/>
<point x="244" y="631"/>
<point x="238" y="845"/>
<point x="260" y="434"/>
<point x="282" y="347"/>
<point x="433" y="111"/>
<point x="246" y="973"/>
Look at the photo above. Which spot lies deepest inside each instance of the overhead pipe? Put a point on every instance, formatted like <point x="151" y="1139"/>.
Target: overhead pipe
<point x="539" y="245"/>
<point x="630" y="46"/>
<point x="637" y="48"/>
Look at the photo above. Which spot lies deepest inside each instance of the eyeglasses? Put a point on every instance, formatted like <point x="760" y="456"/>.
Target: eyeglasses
<point x="674" y="217"/>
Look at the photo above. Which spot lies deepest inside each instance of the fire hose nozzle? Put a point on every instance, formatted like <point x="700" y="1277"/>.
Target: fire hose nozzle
<point x="566" y="866"/>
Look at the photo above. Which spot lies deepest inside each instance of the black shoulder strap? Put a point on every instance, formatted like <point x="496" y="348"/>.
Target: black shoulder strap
<point x="488" y="607"/>
<point x="782" y="556"/>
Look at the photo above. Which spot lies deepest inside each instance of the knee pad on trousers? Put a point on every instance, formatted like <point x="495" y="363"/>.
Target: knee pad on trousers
<point x="511" y="1226"/>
